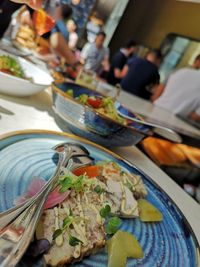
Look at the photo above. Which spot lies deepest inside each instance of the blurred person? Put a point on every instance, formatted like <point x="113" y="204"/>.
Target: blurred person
<point x="158" y="90"/>
<point x="63" y="12"/>
<point x="94" y="56"/>
<point x="32" y="3"/>
<point x="181" y="94"/>
<point x="73" y="36"/>
<point x="7" y="8"/>
<point x="196" y="63"/>
<point x="140" y="75"/>
<point x="118" y="62"/>
<point x="59" y="35"/>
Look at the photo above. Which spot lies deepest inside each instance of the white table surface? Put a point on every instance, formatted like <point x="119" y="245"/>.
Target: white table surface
<point x="148" y="109"/>
<point x="36" y="113"/>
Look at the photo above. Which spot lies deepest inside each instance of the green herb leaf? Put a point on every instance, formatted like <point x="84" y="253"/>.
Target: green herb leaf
<point x="57" y="233"/>
<point x="82" y="98"/>
<point x="66" y="184"/>
<point x="98" y="189"/>
<point x="78" y="184"/>
<point x="113" y="225"/>
<point x="73" y="241"/>
<point x="105" y="212"/>
<point x="70" y="92"/>
<point x="67" y="221"/>
<point x="72" y="182"/>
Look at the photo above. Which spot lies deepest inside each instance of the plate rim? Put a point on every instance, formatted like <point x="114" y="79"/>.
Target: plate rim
<point x="115" y="155"/>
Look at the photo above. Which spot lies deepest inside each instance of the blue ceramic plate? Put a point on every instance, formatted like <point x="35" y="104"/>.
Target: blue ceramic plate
<point x="170" y="243"/>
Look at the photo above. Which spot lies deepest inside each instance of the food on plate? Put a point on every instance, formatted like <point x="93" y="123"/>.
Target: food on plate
<point x="96" y="200"/>
<point x="164" y="152"/>
<point x="171" y="154"/>
<point x="121" y="246"/>
<point x="104" y="105"/>
<point x="90" y="171"/>
<point x="149" y="213"/>
<point x="11" y="66"/>
<point x="26" y="37"/>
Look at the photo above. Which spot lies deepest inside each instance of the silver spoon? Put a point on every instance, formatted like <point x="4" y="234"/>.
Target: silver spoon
<point x="15" y="238"/>
<point x="160" y="130"/>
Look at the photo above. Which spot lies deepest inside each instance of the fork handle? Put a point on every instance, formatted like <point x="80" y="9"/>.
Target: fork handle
<point x="12" y="234"/>
<point x="9" y="215"/>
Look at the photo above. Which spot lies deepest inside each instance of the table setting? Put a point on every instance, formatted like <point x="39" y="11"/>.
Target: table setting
<point x="40" y="116"/>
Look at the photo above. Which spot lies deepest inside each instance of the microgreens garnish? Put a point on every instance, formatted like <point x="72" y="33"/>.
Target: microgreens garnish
<point x="67" y="221"/>
<point x="70" y="181"/>
<point x="73" y="241"/>
<point x="57" y="233"/>
<point x="113" y="225"/>
<point x="105" y="212"/>
<point x="98" y="189"/>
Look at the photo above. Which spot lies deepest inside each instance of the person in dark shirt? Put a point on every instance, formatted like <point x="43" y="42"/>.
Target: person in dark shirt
<point x="118" y="62"/>
<point x="142" y="74"/>
<point x="7" y="8"/>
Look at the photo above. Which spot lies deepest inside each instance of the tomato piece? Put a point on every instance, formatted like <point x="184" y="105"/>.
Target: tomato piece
<point x="94" y="102"/>
<point x="90" y="171"/>
<point x="7" y="71"/>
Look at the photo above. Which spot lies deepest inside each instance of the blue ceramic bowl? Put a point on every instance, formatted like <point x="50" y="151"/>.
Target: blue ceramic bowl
<point x="89" y="123"/>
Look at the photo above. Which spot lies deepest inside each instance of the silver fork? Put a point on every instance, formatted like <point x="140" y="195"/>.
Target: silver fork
<point x="77" y="150"/>
<point x="15" y="238"/>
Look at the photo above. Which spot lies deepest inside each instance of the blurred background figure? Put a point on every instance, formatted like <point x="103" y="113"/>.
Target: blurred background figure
<point x="7" y="8"/>
<point x="94" y="25"/>
<point x="94" y="56"/>
<point x="161" y="87"/>
<point x="63" y="13"/>
<point x="119" y="60"/>
<point x="196" y="64"/>
<point x="32" y="3"/>
<point x="59" y="36"/>
<point x="181" y="94"/>
<point x="141" y="75"/>
<point x="73" y="36"/>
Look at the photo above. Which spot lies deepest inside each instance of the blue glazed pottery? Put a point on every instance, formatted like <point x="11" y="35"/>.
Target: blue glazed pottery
<point x="169" y="243"/>
<point x="90" y="124"/>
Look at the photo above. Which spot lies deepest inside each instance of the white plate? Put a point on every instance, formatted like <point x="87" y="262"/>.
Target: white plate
<point x="14" y="86"/>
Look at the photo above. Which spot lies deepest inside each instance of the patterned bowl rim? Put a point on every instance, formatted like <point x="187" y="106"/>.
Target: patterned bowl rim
<point x="115" y="155"/>
<point x="71" y="99"/>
